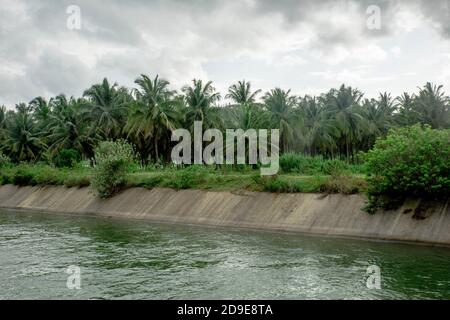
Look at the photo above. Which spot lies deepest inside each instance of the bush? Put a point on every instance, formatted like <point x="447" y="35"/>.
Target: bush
<point x="113" y="160"/>
<point x="343" y="183"/>
<point x="4" y="160"/>
<point x="5" y="179"/>
<point x="67" y="158"/>
<point x="412" y="161"/>
<point x="307" y="165"/>
<point x="278" y="185"/>
<point x="188" y="178"/>
<point x="23" y="178"/>
<point x="77" y="181"/>
<point x="147" y="182"/>
<point x="297" y="163"/>
<point x="334" y="167"/>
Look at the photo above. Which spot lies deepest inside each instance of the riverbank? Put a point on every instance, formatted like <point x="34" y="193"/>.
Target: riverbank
<point x="312" y="178"/>
<point x="320" y="214"/>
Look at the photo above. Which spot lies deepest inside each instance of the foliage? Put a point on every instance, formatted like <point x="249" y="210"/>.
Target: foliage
<point x="320" y="138"/>
<point x="343" y="183"/>
<point x="4" y="160"/>
<point x="188" y="178"/>
<point x="301" y="164"/>
<point x="335" y="125"/>
<point x="113" y="160"/>
<point x="67" y="158"/>
<point x="23" y="142"/>
<point x="412" y="161"/>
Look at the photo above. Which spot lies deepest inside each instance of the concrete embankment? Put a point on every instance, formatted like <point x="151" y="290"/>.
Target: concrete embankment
<point x="332" y="215"/>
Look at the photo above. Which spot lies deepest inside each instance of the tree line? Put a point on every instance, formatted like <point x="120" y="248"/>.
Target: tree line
<point x="336" y="124"/>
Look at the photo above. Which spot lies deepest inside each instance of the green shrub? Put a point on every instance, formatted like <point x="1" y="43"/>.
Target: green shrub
<point x="67" y="158"/>
<point x="278" y="185"/>
<point x="145" y="182"/>
<point x="4" y="160"/>
<point x="296" y="163"/>
<point x="307" y="165"/>
<point x="188" y="178"/>
<point x="5" y="179"/>
<point x="334" y="167"/>
<point x="23" y="177"/>
<point x="343" y="183"/>
<point x="113" y="160"/>
<point x="77" y="181"/>
<point x="412" y="161"/>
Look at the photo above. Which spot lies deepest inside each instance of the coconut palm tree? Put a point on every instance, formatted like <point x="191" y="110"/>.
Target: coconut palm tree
<point x="23" y="108"/>
<point x="153" y="115"/>
<point x="23" y="142"/>
<point x="41" y="111"/>
<point x="344" y="103"/>
<point x="107" y="108"/>
<point x="433" y="106"/>
<point x="69" y="128"/>
<point x="200" y="100"/>
<point x="280" y="105"/>
<point x="2" y="124"/>
<point x="241" y="93"/>
<point x="246" y="116"/>
<point x="317" y="128"/>
<point x="407" y="114"/>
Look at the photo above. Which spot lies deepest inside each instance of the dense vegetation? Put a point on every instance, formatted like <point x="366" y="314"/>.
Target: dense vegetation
<point x="225" y="178"/>
<point x="113" y="137"/>
<point x="336" y="124"/>
<point x="410" y="162"/>
<point x="113" y="160"/>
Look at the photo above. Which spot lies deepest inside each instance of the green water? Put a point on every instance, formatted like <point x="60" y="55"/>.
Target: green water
<point x="137" y="260"/>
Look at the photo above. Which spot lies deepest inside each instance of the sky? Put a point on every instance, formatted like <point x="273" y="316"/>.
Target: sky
<point x="49" y="47"/>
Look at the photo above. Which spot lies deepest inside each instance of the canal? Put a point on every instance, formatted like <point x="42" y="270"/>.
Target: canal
<point x="49" y="257"/>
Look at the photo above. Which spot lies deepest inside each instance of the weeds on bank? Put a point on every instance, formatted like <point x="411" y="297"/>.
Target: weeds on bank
<point x="220" y="178"/>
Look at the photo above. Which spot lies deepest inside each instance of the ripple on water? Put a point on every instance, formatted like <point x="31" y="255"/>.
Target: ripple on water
<point x="134" y="260"/>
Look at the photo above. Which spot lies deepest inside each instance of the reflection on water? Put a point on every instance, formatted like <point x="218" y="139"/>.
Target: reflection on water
<point x="141" y="260"/>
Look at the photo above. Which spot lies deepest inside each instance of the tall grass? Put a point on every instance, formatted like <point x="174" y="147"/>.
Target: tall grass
<point x="298" y="174"/>
<point x="308" y="165"/>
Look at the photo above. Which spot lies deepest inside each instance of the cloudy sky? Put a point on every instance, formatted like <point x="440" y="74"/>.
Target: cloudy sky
<point x="304" y="45"/>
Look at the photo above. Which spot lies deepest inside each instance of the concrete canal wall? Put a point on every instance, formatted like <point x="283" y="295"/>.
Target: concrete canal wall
<point x="331" y="215"/>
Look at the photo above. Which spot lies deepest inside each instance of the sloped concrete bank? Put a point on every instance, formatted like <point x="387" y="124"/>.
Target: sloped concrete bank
<point x="332" y="215"/>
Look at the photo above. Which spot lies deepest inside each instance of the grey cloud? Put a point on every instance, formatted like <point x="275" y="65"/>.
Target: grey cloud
<point x="174" y="38"/>
<point x="438" y="11"/>
<point x="59" y="73"/>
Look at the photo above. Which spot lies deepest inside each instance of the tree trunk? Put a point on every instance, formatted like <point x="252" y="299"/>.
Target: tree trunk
<point x="347" y="148"/>
<point x="156" y="150"/>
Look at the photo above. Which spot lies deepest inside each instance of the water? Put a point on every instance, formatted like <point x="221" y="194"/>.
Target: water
<point x="136" y="260"/>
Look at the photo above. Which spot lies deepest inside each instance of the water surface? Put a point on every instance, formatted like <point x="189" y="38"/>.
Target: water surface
<point x="140" y="260"/>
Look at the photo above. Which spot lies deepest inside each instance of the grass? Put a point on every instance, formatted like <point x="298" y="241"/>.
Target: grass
<point x="223" y="178"/>
<point x="317" y="165"/>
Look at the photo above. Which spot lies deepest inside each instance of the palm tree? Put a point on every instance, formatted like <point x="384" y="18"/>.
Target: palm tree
<point x="280" y="106"/>
<point x="2" y="124"/>
<point x="241" y="93"/>
<point x="317" y="128"/>
<point x="23" y="142"/>
<point x="69" y="128"/>
<point x="345" y="107"/>
<point x="200" y="100"/>
<point x="153" y="114"/>
<point x="107" y="108"/>
<point x="40" y="108"/>
<point x="407" y="115"/>
<point x="41" y="114"/>
<point x="245" y="116"/>
<point x="23" y="108"/>
<point x="432" y="106"/>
